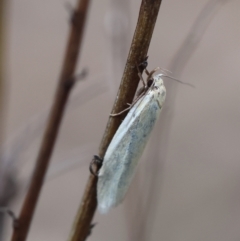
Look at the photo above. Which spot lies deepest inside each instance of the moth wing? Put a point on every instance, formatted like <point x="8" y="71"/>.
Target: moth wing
<point x="124" y="152"/>
<point x="109" y="175"/>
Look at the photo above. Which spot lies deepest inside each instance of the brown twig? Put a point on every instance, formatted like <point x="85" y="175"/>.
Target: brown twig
<point x="141" y="40"/>
<point x="65" y="84"/>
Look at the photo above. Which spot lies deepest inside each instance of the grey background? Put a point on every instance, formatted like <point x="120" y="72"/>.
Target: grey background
<point x="189" y="190"/>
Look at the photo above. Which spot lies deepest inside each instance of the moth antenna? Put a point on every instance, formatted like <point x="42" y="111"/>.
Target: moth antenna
<point x="165" y="70"/>
<point x="179" y="81"/>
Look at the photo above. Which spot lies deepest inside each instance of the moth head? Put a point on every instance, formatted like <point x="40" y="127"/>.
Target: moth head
<point x="159" y="89"/>
<point x="158" y="81"/>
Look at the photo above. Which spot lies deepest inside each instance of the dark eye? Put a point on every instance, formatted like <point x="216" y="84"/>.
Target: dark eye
<point x="149" y="83"/>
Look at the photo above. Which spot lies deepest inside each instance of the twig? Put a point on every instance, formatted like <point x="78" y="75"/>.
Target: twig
<point x="65" y="84"/>
<point x="138" y="51"/>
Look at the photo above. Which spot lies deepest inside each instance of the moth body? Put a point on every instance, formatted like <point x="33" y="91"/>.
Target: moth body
<point x="127" y="145"/>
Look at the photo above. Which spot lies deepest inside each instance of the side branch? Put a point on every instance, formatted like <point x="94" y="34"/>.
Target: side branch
<point x="65" y="84"/>
<point x="141" y="40"/>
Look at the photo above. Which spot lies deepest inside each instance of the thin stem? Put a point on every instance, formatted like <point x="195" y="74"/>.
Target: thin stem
<point x="65" y="84"/>
<point x="141" y="40"/>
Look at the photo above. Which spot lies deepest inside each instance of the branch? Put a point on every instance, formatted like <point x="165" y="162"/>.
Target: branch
<point x="65" y="84"/>
<point x="141" y="40"/>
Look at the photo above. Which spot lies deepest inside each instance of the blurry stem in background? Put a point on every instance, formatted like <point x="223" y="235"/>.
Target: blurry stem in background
<point x="2" y="92"/>
<point x="194" y="36"/>
<point x="2" y="61"/>
<point x="65" y="84"/>
<point x="117" y="28"/>
<point x="2" y="83"/>
<point x="141" y="40"/>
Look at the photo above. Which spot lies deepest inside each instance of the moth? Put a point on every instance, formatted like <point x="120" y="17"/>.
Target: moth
<point x="128" y="143"/>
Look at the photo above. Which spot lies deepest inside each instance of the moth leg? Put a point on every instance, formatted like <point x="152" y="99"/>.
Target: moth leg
<point x="141" y="78"/>
<point x="119" y="113"/>
<point x="97" y="161"/>
<point x="130" y="105"/>
<point x="143" y="65"/>
<point x="140" y="75"/>
<point x="147" y="72"/>
<point x="143" y="89"/>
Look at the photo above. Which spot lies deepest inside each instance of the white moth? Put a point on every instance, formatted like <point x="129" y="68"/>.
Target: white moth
<point x="127" y="145"/>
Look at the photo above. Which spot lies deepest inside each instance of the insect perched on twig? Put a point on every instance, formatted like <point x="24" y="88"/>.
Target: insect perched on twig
<point x="129" y="141"/>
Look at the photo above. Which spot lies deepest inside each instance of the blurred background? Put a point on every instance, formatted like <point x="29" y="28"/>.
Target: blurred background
<point x="187" y="185"/>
